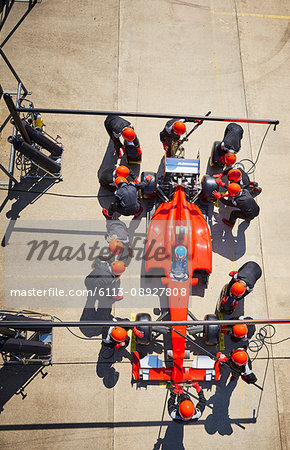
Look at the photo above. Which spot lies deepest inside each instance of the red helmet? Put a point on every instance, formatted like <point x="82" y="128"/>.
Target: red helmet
<point x="240" y="330"/>
<point x="234" y="175"/>
<point x="179" y="127"/>
<point x="118" y="267"/>
<point x="119" y="334"/>
<point x="240" y="357"/>
<point x="238" y="289"/>
<point x="119" y="180"/>
<point x="122" y="171"/>
<point x="128" y="134"/>
<point x="186" y="409"/>
<point x="230" y="159"/>
<point x="234" y="189"/>
<point x="115" y="246"/>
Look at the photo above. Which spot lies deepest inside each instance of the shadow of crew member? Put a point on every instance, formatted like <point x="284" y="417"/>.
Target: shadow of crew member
<point x="218" y="420"/>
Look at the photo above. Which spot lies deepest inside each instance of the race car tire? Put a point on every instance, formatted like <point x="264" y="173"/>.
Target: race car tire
<point x="211" y="332"/>
<point x="208" y="185"/>
<point x="146" y="339"/>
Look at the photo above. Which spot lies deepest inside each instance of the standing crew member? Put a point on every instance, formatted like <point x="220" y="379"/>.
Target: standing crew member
<point x="116" y="127"/>
<point x="105" y="275"/>
<point x="240" y="365"/>
<point x="181" y="408"/>
<point x="241" y="284"/>
<point x="241" y="199"/>
<point x="240" y="177"/>
<point x="126" y="200"/>
<point x="171" y="133"/>
<point x="108" y="176"/>
<point x="117" y="337"/>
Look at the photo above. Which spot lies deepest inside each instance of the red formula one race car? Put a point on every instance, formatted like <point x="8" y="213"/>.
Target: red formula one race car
<point x="178" y="231"/>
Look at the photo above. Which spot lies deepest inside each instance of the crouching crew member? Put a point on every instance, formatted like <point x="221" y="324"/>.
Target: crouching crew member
<point x="126" y="199"/>
<point x="240" y="332"/>
<point x="108" y="176"/>
<point x="240" y="365"/>
<point x="118" y="231"/>
<point x="116" y="127"/>
<point x="231" y="142"/>
<point x="241" y="177"/>
<point x="241" y="199"/>
<point x="181" y="408"/>
<point x="117" y="337"/>
<point x="171" y="133"/>
<point x="241" y="284"/>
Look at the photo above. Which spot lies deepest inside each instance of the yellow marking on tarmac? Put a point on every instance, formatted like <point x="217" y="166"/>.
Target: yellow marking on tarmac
<point x="163" y="384"/>
<point x="222" y="336"/>
<point x="132" y="335"/>
<point x="262" y="16"/>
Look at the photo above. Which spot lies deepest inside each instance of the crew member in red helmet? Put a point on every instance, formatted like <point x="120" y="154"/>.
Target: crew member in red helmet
<point x="108" y="176"/>
<point x="239" y="176"/>
<point x="172" y="132"/>
<point x="241" y="284"/>
<point x="117" y="337"/>
<point x="240" y="365"/>
<point x="105" y="275"/>
<point x="126" y="200"/>
<point x="241" y="199"/>
<point x="180" y="406"/>
<point x="118" y="127"/>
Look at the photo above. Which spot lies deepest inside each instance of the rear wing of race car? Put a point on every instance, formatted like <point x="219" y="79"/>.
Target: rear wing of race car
<point x="150" y="368"/>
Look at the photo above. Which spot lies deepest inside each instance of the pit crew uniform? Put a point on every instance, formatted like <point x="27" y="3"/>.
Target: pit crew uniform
<point x="173" y="406"/>
<point x="126" y="200"/>
<point x="248" y="209"/>
<point x="249" y="273"/>
<point x="108" y="176"/>
<point x="244" y="371"/>
<point x="167" y="135"/>
<point x="116" y="229"/>
<point x="114" y="126"/>
<point x="231" y="142"/>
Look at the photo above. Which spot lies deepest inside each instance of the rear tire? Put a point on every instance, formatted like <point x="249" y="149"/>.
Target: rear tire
<point x="211" y="332"/>
<point x="147" y="330"/>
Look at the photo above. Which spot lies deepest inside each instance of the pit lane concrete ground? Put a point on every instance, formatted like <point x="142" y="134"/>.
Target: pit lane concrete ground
<point x="184" y="57"/>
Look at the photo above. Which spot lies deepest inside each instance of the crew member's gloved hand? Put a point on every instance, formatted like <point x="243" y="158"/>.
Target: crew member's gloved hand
<point x="250" y="378"/>
<point x="221" y="357"/>
<point x="165" y="146"/>
<point x="149" y="178"/>
<point x="198" y="121"/>
<point x="178" y="389"/>
<point x="220" y="182"/>
<point x="232" y="273"/>
<point x="136" y="181"/>
<point x="197" y="387"/>
<point x="218" y="175"/>
<point x="138" y="333"/>
<point x="139" y="152"/>
<point x="120" y="344"/>
<point x="217" y="194"/>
